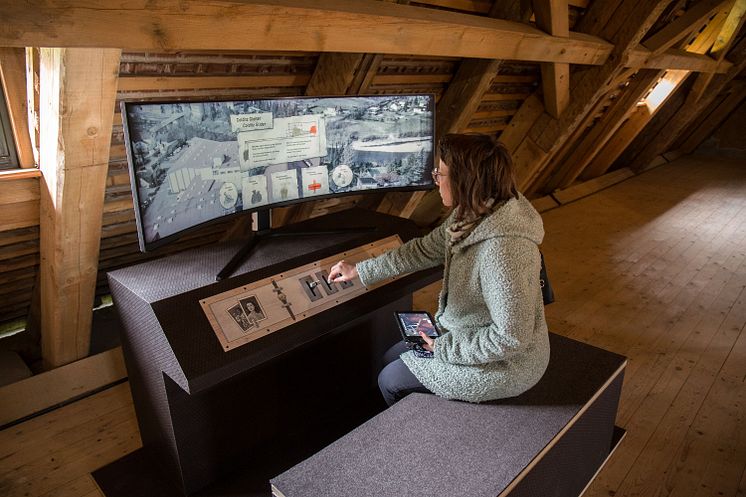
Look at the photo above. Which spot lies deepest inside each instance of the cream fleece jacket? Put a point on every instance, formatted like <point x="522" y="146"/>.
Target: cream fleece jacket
<point x="495" y="342"/>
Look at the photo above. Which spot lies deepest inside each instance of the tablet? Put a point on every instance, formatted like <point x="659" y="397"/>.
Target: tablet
<point x="412" y="322"/>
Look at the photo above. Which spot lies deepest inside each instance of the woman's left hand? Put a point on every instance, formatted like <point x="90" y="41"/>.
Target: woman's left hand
<point x="429" y="342"/>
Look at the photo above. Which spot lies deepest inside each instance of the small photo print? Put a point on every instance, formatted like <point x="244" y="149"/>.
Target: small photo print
<point x="240" y="317"/>
<point x="253" y="310"/>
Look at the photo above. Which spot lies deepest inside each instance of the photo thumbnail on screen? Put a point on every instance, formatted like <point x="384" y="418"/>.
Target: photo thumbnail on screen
<point x="193" y="162"/>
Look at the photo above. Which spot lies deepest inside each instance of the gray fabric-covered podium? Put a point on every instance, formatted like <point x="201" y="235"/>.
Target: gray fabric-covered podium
<point x="547" y="442"/>
<point x="206" y="414"/>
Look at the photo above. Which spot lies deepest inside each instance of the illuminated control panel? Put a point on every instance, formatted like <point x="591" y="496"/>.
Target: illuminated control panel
<point x="243" y="314"/>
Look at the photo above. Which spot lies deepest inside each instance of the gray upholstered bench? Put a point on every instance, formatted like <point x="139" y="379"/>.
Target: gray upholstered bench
<point x="550" y="441"/>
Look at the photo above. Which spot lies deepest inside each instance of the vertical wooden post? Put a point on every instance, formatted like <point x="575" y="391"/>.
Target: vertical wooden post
<point x="552" y="16"/>
<point x="78" y="92"/>
<point x="32" y="98"/>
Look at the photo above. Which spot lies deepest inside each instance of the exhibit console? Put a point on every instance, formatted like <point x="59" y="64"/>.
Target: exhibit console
<point x="236" y="381"/>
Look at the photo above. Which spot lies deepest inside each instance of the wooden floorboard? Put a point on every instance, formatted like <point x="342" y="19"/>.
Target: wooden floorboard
<point x="667" y="292"/>
<point x="653" y="268"/>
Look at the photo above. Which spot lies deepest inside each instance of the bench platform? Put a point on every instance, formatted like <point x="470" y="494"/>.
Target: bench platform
<point x="550" y="441"/>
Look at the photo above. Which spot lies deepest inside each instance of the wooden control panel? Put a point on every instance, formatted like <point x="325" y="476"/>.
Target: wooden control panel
<point x="249" y="312"/>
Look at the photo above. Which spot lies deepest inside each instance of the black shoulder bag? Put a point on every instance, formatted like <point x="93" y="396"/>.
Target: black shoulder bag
<point x="546" y="289"/>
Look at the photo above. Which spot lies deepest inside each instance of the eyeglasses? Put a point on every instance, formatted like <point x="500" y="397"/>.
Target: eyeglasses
<point x="437" y="175"/>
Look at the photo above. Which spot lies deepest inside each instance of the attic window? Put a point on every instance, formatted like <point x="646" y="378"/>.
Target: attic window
<point x="658" y="94"/>
<point x="663" y="89"/>
<point x="8" y="156"/>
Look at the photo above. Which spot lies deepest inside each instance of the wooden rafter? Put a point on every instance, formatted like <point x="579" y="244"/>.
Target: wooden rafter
<point x="463" y="96"/>
<point x="679" y="29"/>
<point x="586" y="154"/>
<point x="641" y="115"/>
<point x="365" y="74"/>
<point x="547" y="135"/>
<point x="78" y="91"/>
<point x="473" y="78"/>
<point x="32" y="98"/>
<point x="357" y="26"/>
<point x="592" y="140"/>
<point x="731" y="26"/>
<point x="698" y="132"/>
<point x="677" y="60"/>
<point x="689" y="111"/>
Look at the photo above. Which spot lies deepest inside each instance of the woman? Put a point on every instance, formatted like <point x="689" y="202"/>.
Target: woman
<point x="495" y="342"/>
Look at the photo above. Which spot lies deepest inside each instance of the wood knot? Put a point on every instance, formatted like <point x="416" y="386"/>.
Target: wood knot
<point x="92" y="131"/>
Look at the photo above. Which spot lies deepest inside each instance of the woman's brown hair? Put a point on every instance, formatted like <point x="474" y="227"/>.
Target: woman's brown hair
<point x="479" y="169"/>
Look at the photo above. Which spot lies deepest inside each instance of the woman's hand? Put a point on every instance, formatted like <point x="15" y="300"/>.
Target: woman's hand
<point x="342" y="271"/>
<point x="429" y="342"/>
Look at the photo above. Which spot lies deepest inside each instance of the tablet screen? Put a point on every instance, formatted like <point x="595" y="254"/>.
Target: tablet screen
<point x="414" y="322"/>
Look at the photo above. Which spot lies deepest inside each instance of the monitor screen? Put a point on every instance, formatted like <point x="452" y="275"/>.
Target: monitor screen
<point x="195" y="162"/>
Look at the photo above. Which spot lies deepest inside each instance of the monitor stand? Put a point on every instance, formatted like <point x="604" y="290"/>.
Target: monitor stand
<point x="264" y="231"/>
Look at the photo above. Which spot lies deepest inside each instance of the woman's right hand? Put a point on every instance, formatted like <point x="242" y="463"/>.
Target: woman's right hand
<point x="342" y="271"/>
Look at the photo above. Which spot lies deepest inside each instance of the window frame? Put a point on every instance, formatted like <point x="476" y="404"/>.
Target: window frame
<point x="11" y="161"/>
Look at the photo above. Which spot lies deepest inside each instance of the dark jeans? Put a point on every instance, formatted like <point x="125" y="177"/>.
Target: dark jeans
<point x="395" y="380"/>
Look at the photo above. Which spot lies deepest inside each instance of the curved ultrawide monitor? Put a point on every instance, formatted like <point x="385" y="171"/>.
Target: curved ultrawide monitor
<point x="195" y="162"/>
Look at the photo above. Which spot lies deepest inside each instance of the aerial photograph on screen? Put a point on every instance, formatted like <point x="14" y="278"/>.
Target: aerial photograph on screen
<point x="194" y="162"/>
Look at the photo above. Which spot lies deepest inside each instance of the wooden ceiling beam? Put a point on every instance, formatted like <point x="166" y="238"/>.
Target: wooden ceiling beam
<point x="677" y="59"/>
<point x="617" y="143"/>
<point x="638" y="120"/>
<point x="334" y="73"/>
<point x="78" y="94"/>
<point x="463" y="96"/>
<point x="552" y="16"/>
<point x="357" y="26"/>
<point x="730" y="28"/>
<point x="640" y="116"/>
<point x="473" y="78"/>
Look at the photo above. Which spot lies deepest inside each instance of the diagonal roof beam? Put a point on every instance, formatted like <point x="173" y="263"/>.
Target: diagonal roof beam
<point x="593" y="139"/>
<point x="724" y="40"/>
<point x="643" y="114"/>
<point x="689" y="111"/>
<point x="606" y="18"/>
<point x="682" y="27"/>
